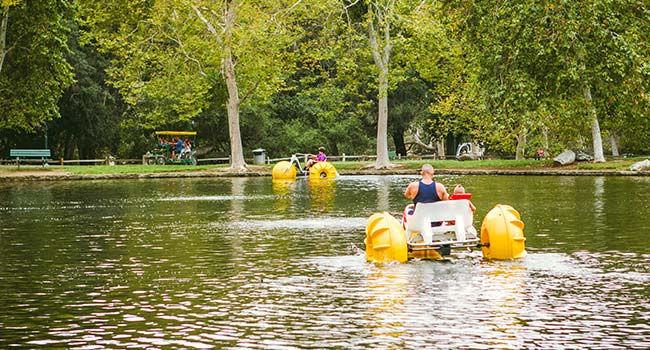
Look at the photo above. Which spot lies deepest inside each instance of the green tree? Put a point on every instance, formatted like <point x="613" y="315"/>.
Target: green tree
<point x="33" y="69"/>
<point x="410" y="101"/>
<point x="90" y="110"/>
<point x="552" y="56"/>
<point x="170" y="55"/>
<point x="502" y="44"/>
<point x="441" y="66"/>
<point x="384" y="24"/>
<point x="598" y="49"/>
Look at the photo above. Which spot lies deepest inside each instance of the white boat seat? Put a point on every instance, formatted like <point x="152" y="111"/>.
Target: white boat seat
<point x="445" y="216"/>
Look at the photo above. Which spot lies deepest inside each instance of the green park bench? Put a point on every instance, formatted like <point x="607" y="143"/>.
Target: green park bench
<point x="44" y="154"/>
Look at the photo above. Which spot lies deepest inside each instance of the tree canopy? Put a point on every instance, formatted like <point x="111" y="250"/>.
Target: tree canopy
<point x="355" y="76"/>
<point x="33" y="68"/>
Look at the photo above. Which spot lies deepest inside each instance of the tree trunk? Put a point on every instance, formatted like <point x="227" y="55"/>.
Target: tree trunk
<point x="237" y="162"/>
<point x="3" y="35"/>
<point x="398" y="139"/>
<point x="68" y="152"/>
<point x="418" y="141"/>
<point x="440" y="146"/>
<point x="382" y="122"/>
<point x="381" y="61"/>
<point x="521" y="145"/>
<point x="613" y="141"/>
<point x="599" y="156"/>
<point x="477" y="150"/>
<point x="333" y="148"/>
<point x="236" y="150"/>
<point x="545" y="137"/>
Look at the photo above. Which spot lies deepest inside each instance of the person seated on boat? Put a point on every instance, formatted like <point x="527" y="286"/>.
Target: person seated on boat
<point x="187" y="149"/>
<point x="177" y="147"/>
<point x="426" y="190"/>
<point x="320" y="157"/>
<point x="459" y="193"/>
<point x="163" y="144"/>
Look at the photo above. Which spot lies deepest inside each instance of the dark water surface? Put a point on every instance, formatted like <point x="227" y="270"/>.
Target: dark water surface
<point x="245" y="263"/>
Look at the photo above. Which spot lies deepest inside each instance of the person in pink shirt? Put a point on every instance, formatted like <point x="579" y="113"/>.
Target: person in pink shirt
<point x="320" y="157"/>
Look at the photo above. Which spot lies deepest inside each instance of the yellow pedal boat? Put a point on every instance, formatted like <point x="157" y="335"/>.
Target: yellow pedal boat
<point x="432" y="230"/>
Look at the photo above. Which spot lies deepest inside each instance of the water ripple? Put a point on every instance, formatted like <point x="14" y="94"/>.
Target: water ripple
<point x="306" y="224"/>
<point x="237" y="266"/>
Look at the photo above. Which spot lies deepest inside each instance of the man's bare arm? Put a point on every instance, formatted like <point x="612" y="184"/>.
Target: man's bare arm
<point x="442" y="192"/>
<point x="411" y="190"/>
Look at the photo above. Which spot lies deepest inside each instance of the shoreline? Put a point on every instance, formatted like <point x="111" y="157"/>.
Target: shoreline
<point x="43" y="175"/>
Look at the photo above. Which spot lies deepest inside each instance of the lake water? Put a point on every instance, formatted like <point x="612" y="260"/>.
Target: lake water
<point x="245" y="263"/>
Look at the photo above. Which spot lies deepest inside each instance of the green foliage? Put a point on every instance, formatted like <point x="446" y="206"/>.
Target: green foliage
<point x="150" y="43"/>
<point x="35" y="71"/>
<point x="535" y="60"/>
<point x="307" y="120"/>
<point x="90" y="110"/>
<point x="409" y="102"/>
<point x="439" y="63"/>
<point x="473" y="70"/>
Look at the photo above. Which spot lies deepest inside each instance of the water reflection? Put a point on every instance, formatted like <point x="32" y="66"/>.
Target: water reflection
<point x="599" y="200"/>
<point x="323" y="192"/>
<point x="237" y="192"/>
<point x="383" y="194"/>
<point x="504" y="295"/>
<point x="249" y="263"/>
<point x="282" y="189"/>
<point x="387" y="292"/>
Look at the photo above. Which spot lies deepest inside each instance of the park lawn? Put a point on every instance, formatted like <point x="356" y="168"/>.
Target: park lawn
<point x="135" y="168"/>
<point x="527" y="164"/>
<point x="453" y="164"/>
<point x="617" y="164"/>
<point x="620" y="164"/>
<point x="354" y="165"/>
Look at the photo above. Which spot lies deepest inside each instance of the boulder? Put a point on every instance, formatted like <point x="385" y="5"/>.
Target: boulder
<point x="582" y="156"/>
<point x="642" y="165"/>
<point x="468" y="156"/>
<point x="566" y="157"/>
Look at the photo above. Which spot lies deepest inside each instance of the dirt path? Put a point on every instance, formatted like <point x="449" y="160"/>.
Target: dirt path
<point x="30" y="173"/>
<point x="58" y="174"/>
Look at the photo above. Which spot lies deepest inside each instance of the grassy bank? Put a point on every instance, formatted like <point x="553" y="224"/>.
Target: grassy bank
<point x="136" y="169"/>
<point x="612" y="164"/>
